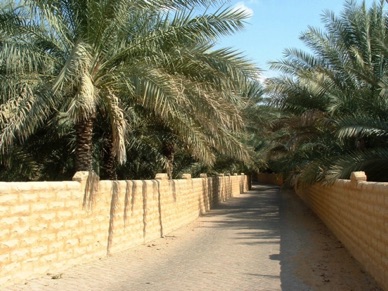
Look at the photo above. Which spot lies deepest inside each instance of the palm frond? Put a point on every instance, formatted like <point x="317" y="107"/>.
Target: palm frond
<point x="357" y="126"/>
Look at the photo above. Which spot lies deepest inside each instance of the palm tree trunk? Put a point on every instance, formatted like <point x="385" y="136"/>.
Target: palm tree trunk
<point x="169" y="152"/>
<point x="108" y="168"/>
<point x="84" y="145"/>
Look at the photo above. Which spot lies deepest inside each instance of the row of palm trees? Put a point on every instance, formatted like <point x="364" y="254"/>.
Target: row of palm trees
<point x="123" y="87"/>
<point x="131" y="88"/>
<point x="333" y="99"/>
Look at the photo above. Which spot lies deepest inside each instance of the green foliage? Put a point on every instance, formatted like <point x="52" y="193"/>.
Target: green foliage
<point x="333" y="99"/>
<point x="108" y="84"/>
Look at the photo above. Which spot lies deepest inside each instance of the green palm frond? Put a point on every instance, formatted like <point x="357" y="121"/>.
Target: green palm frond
<point x="21" y="116"/>
<point x="18" y="163"/>
<point x="373" y="162"/>
<point x="357" y="126"/>
<point x="343" y="79"/>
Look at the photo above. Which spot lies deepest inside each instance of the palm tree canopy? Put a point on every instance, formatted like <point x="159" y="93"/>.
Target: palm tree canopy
<point x="341" y="82"/>
<point x="91" y="57"/>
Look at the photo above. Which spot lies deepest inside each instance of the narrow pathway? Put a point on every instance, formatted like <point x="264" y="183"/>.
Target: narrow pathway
<point x="265" y="239"/>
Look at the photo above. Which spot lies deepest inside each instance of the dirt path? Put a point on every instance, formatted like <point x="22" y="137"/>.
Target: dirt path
<point x="262" y="240"/>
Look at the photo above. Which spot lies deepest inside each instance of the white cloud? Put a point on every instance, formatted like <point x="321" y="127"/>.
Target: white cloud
<point x="242" y="6"/>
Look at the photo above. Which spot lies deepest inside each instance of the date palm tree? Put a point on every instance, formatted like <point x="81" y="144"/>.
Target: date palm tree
<point x="102" y="56"/>
<point x="207" y="103"/>
<point x="340" y="81"/>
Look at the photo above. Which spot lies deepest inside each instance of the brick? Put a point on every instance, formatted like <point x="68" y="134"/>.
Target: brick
<point x="64" y="214"/>
<point x="56" y="225"/>
<point x="47" y="259"/>
<point x="39" y="207"/>
<point x="63" y="234"/>
<point x="47" y="217"/>
<point x="48" y="237"/>
<point x="9" y="199"/>
<point x="4" y="210"/>
<point x="28" y="219"/>
<point x="19" y="230"/>
<point x="55" y="205"/>
<point x="64" y="195"/>
<point x="71" y="223"/>
<point x="56" y="246"/>
<point x="38" y="227"/>
<point x="46" y="195"/>
<point x="5" y="259"/>
<point x="29" y="197"/>
<point x="13" y="243"/>
<point x="29" y="240"/>
<point x="72" y="242"/>
<point x="19" y="254"/>
<point x="39" y="250"/>
<point x="75" y="204"/>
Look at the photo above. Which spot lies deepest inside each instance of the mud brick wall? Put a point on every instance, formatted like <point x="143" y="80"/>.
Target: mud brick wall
<point x="356" y="211"/>
<point x="50" y="226"/>
<point x="273" y="179"/>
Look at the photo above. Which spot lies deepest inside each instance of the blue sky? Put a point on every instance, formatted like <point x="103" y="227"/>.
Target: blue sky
<point x="276" y="25"/>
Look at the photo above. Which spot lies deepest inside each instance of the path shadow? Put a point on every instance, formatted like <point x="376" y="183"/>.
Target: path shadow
<point x="293" y="240"/>
<point x="255" y="214"/>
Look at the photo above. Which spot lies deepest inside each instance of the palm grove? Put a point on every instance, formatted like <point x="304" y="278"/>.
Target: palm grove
<point x="334" y="100"/>
<point x="131" y="88"/>
<point x="120" y="87"/>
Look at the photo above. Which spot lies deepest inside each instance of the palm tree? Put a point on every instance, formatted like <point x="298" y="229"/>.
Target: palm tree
<point x="105" y="56"/>
<point x="20" y="79"/>
<point x="342" y="79"/>
<point x="104" y="52"/>
<point x="182" y="83"/>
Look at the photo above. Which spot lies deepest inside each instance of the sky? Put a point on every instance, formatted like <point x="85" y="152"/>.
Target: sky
<point x="276" y="25"/>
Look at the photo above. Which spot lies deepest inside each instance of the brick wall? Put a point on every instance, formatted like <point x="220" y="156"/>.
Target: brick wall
<point x="266" y="178"/>
<point x="356" y="211"/>
<point x="49" y="226"/>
